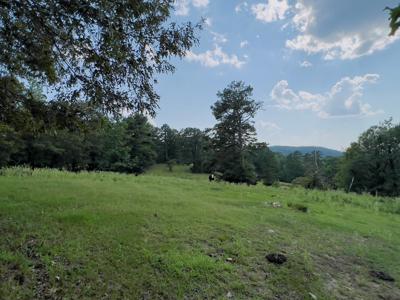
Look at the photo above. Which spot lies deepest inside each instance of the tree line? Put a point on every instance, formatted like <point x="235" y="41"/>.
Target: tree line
<point x="75" y="136"/>
<point x="98" y="58"/>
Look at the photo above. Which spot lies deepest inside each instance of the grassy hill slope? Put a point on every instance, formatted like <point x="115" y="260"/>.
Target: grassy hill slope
<point x="176" y="236"/>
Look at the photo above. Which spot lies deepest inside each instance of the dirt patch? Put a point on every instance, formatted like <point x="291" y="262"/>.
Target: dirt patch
<point x="348" y="277"/>
<point x="298" y="206"/>
<point x="42" y="284"/>
<point x="381" y="275"/>
<point x="13" y="272"/>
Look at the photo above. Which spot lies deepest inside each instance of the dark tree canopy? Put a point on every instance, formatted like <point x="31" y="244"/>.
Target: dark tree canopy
<point x="234" y="112"/>
<point x="372" y="164"/>
<point x="394" y="17"/>
<point x="294" y="166"/>
<point x="265" y="163"/>
<point x="140" y="141"/>
<point x="105" y="52"/>
<point x="166" y="143"/>
<point x="193" y="148"/>
<point x="234" y="132"/>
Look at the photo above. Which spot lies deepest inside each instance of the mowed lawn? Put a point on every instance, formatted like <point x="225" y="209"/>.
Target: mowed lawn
<point x="167" y="235"/>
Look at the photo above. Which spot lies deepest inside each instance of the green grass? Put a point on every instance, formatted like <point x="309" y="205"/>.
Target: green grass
<point x="168" y="235"/>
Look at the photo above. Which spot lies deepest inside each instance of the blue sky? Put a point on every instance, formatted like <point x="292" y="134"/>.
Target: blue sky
<point x="325" y="70"/>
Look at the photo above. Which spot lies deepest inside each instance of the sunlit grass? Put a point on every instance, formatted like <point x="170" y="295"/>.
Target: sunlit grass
<point x="175" y="235"/>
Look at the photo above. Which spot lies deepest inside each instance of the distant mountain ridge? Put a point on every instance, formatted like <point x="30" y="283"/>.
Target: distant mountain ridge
<point x="285" y="150"/>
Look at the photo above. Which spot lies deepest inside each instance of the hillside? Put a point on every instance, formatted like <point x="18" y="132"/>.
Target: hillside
<point x="174" y="235"/>
<point x="285" y="150"/>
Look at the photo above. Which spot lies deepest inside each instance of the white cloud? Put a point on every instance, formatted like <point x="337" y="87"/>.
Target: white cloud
<point x="182" y="7"/>
<point x="241" y="6"/>
<point x="214" y="58"/>
<point x="272" y="11"/>
<point x="344" y="47"/>
<point x="303" y="17"/>
<point x="219" y="38"/>
<point x="305" y="64"/>
<point x="343" y="99"/>
<point x="200" y="3"/>
<point x="269" y="126"/>
<point x="244" y="43"/>
<point x="267" y="130"/>
<point x="338" y="34"/>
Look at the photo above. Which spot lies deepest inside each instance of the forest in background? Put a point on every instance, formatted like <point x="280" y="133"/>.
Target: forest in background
<point x="73" y="136"/>
<point x="97" y="59"/>
<point x="68" y="69"/>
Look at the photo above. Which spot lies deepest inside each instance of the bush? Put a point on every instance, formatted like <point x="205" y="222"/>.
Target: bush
<point x="302" y="181"/>
<point x="309" y="182"/>
<point x="298" y="206"/>
<point x="170" y="164"/>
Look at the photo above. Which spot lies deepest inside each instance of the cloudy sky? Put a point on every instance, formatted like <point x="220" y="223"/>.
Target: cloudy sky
<point x="325" y="70"/>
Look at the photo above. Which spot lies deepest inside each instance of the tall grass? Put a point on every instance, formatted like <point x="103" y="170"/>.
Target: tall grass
<point x="331" y="197"/>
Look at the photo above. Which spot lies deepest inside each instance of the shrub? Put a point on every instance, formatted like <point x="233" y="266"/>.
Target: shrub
<point x="298" y="206"/>
<point x="302" y="181"/>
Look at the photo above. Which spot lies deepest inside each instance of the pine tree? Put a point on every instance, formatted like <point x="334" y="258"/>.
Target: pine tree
<point x="234" y="132"/>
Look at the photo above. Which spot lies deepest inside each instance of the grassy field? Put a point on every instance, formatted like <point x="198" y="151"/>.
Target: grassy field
<point x="176" y="236"/>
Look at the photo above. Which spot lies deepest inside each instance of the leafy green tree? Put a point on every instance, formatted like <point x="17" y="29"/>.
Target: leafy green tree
<point x="281" y="161"/>
<point x="95" y="149"/>
<point x="234" y="132"/>
<point x="140" y="141"/>
<point x="372" y="164"/>
<point x="69" y="135"/>
<point x="9" y="144"/>
<point x="330" y="167"/>
<point x="314" y="170"/>
<point x="14" y="107"/>
<point x="294" y="166"/>
<point x="312" y="162"/>
<point x="72" y="155"/>
<point x="60" y="149"/>
<point x="265" y="163"/>
<point x="354" y="170"/>
<point x="40" y="149"/>
<point x="394" y="17"/>
<point x="114" y="155"/>
<point x="166" y="143"/>
<point x="104" y="51"/>
<point x="25" y="111"/>
<point x="193" y="146"/>
<point x="10" y="97"/>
